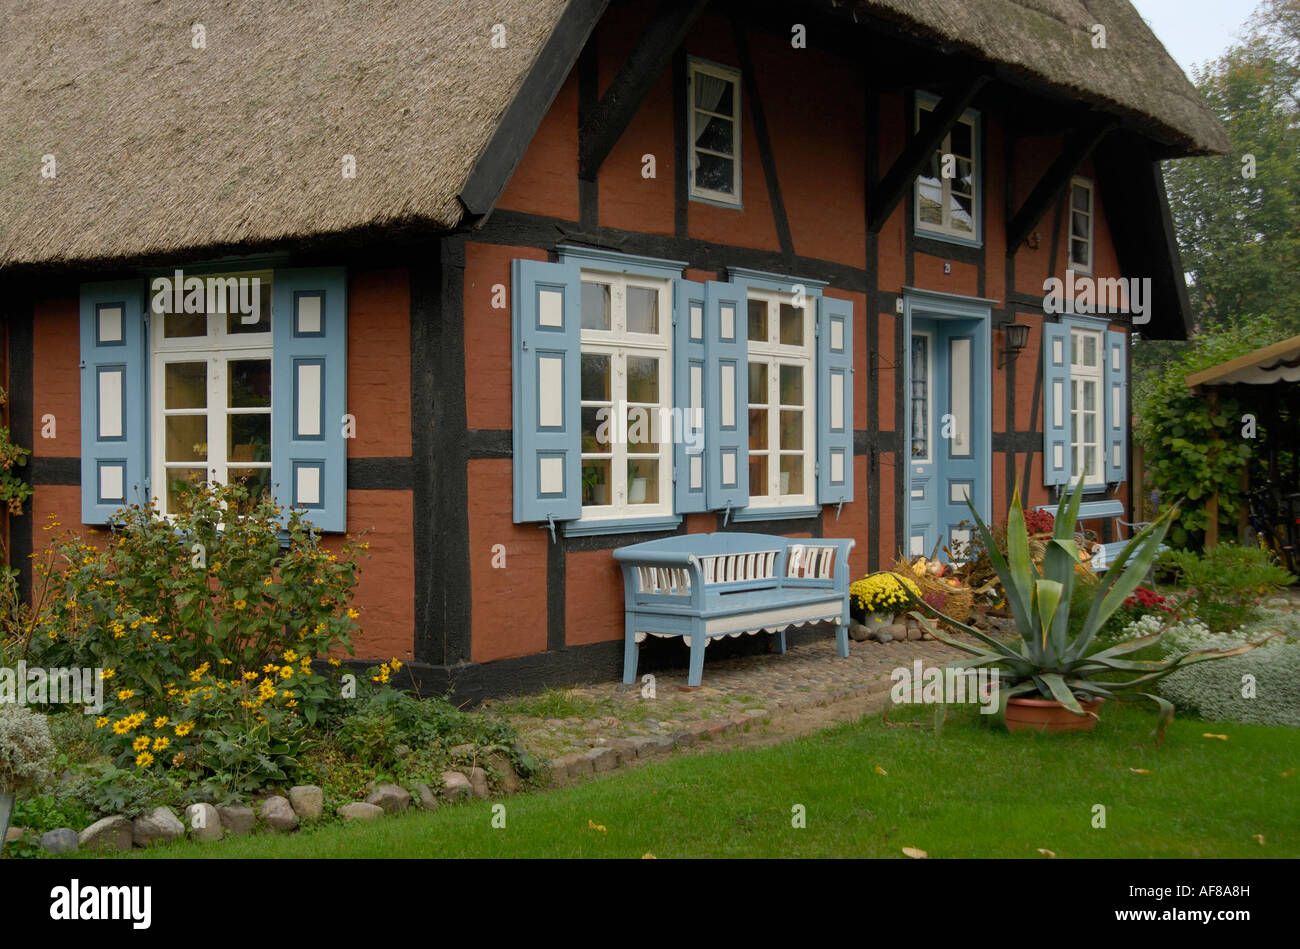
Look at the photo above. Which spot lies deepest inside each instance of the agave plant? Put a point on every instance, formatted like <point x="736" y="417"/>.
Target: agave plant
<point x="1046" y="660"/>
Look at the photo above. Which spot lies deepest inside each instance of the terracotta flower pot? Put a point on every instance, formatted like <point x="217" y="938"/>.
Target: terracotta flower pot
<point x="1049" y="715"/>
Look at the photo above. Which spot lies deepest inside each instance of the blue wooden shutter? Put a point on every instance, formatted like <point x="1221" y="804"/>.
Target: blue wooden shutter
<point x="1116" y="407"/>
<point x="1057" y="466"/>
<point x="546" y="348"/>
<point x="689" y="361"/>
<point x="834" y="401"/>
<point x="114" y="406"/>
<point x="309" y="394"/>
<point x="726" y="402"/>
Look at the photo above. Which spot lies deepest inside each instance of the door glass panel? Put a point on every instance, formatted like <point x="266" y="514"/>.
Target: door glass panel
<point x="920" y="396"/>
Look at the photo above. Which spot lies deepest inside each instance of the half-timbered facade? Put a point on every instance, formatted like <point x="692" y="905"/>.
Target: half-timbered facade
<point x="631" y="269"/>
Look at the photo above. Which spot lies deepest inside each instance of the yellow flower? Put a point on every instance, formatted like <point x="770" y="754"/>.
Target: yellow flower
<point x="144" y="759"/>
<point x="333" y="661"/>
<point x="266" y="582"/>
<point x="250" y="675"/>
<point x="160" y="721"/>
<point x="151" y="619"/>
<point x="107" y="673"/>
<point x="124" y="694"/>
<point x="161" y="743"/>
<point x="292" y="704"/>
<point x="395" y="664"/>
<point x="140" y="744"/>
<point x="286" y="672"/>
<point x="178" y="759"/>
<point x="240" y="604"/>
<point x="101" y="721"/>
<point x="270" y="667"/>
<point x="183" y="729"/>
<point x="225" y="662"/>
<point x="290" y="656"/>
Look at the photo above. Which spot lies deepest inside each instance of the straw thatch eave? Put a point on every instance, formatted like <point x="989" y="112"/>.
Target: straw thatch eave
<point x="163" y="149"/>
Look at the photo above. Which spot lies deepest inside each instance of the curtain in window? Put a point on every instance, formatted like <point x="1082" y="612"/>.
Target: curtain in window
<point x="709" y="91"/>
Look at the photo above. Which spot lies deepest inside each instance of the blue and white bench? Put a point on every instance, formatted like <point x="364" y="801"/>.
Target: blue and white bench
<point x="1103" y="555"/>
<point x="702" y="586"/>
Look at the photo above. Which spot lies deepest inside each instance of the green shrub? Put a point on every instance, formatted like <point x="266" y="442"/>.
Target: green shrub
<point x="1224" y="583"/>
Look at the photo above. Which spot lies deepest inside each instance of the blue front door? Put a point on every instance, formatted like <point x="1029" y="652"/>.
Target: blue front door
<point x="948" y="438"/>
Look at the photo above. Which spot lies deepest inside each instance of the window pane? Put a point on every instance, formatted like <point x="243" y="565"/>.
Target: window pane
<point x="792" y="474"/>
<point x="757" y="429"/>
<point x="792" y="385"/>
<point x="791" y="325"/>
<point x="791" y="430"/>
<point x="642" y="310"/>
<point x="595" y="429"/>
<point x="757" y="383"/>
<point x="758" y="476"/>
<point x="965" y="181"/>
<point x="961" y="141"/>
<point x="235" y="321"/>
<point x="642" y="379"/>
<point x="1074" y="349"/>
<point x="250" y="383"/>
<point x="929" y="193"/>
<point x="758" y="322"/>
<point x="1090" y="426"/>
<point x="595" y="306"/>
<point x="714" y="133"/>
<point x="1079" y="224"/>
<point x="186" y="438"/>
<point x="714" y="93"/>
<point x="1090" y="397"/>
<point x="186" y="385"/>
<point x="714" y="173"/>
<point x="962" y="210"/>
<point x="595" y="481"/>
<point x="1082" y="198"/>
<point x="248" y="437"/>
<point x="595" y="377"/>
<point x="1090" y="350"/>
<point x="1079" y="252"/>
<point x="177" y="325"/>
<point x="177" y="480"/>
<point x="256" y="480"/>
<point x="643" y="481"/>
<point x="642" y="431"/>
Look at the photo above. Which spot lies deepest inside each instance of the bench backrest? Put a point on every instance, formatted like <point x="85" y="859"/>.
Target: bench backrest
<point x="1090" y="509"/>
<point x="735" y="561"/>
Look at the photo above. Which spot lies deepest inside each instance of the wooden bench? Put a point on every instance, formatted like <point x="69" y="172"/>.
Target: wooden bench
<point x="1103" y="555"/>
<point x="702" y="586"/>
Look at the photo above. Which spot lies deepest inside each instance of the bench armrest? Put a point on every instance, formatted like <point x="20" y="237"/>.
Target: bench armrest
<point x="654" y="566"/>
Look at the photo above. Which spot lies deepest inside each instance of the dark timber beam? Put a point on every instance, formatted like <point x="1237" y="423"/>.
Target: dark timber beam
<point x="498" y="160"/>
<point x="638" y="74"/>
<point x="917" y="152"/>
<point x="1079" y="144"/>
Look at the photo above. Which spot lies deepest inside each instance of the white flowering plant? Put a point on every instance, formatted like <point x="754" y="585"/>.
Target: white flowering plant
<point x="26" y="750"/>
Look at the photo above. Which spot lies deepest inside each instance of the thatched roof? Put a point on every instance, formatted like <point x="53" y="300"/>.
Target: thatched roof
<point x="1050" y="42"/>
<point x="162" y="148"/>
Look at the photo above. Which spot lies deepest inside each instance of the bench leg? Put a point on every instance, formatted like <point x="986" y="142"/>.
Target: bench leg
<point x="842" y="640"/>
<point x="698" y="641"/>
<point x="631" y="651"/>
<point x="780" y="642"/>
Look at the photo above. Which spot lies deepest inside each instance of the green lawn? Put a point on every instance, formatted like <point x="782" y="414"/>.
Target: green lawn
<point x="972" y="792"/>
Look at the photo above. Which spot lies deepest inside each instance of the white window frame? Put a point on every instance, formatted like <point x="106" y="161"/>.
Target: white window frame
<point x="773" y="354"/>
<point x="1079" y="374"/>
<point x="945" y="229"/>
<point x="618" y="343"/>
<point x="1091" y="215"/>
<point x="216" y="348"/>
<point x="697" y="67"/>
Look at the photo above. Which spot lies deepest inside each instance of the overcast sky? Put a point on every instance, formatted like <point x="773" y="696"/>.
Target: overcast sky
<point x="1196" y="30"/>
